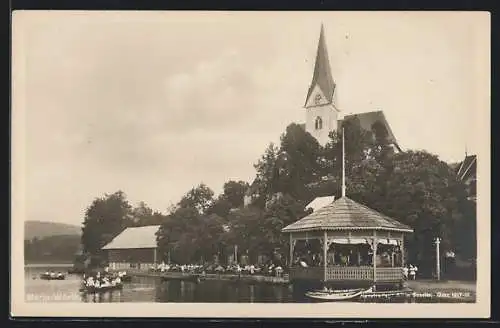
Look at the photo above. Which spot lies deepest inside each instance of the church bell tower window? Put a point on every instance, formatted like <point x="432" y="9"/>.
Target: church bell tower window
<point x="318" y="124"/>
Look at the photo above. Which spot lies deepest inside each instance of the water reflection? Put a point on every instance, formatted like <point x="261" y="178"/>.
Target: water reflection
<point x="148" y="289"/>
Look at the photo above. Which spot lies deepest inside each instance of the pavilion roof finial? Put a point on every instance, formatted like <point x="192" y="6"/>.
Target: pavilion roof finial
<point x="343" y="164"/>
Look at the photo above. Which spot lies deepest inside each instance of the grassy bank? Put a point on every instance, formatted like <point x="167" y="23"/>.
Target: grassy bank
<point x="423" y="286"/>
<point x="464" y="291"/>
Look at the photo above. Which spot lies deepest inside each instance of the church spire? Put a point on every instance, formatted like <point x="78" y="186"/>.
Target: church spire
<point x="322" y="77"/>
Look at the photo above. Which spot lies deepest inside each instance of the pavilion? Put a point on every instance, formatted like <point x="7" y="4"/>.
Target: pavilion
<point x="348" y="243"/>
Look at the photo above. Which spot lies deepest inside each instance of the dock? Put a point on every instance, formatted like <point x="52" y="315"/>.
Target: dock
<point x="243" y="278"/>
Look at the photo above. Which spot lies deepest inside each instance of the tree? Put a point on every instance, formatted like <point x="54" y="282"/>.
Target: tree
<point x="301" y="161"/>
<point x="175" y="235"/>
<point x="282" y="212"/>
<point x="199" y="198"/>
<point x="189" y="236"/>
<point x="234" y="192"/>
<point x="266" y="169"/>
<point x="143" y="215"/>
<point x="104" y="219"/>
<point x="52" y="249"/>
<point x="424" y="193"/>
<point x="359" y="144"/>
<point x="245" y="230"/>
<point x="221" y="207"/>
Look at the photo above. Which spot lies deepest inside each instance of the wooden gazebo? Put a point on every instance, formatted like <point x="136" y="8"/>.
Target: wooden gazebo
<point x="358" y="243"/>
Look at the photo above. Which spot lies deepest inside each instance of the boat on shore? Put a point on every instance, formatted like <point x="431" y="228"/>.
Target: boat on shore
<point x="52" y="276"/>
<point x="327" y="295"/>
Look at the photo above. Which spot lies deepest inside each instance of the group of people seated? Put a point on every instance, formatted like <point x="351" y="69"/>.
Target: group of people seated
<point x="103" y="280"/>
<point x="348" y="257"/>
<point x="267" y="269"/>
<point x="53" y="274"/>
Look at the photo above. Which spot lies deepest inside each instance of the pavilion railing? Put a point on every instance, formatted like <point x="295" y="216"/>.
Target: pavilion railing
<point x="339" y="273"/>
<point x="389" y="274"/>
<point x="349" y="273"/>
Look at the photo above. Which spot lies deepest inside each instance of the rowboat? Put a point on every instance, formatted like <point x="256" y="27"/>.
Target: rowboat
<point x="102" y="289"/>
<point x="52" y="276"/>
<point x="336" y="295"/>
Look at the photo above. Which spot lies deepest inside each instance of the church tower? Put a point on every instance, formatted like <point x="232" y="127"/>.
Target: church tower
<point x="321" y="113"/>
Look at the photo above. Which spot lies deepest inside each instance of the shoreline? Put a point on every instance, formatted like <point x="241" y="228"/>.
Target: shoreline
<point x="448" y="286"/>
<point x="212" y="276"/>
<point x="451" y="287"/>
<point x="45" y="265"/>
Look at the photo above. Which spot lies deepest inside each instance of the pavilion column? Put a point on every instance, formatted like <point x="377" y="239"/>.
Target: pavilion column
<point x="291" y="250"/>
<point x="402" y="248"/>
<point x="154" y="256"/>
<point x="374" y="248"/>
<point x="325" y="251"/>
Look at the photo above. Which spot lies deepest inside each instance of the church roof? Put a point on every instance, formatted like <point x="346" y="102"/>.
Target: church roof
<point x="253" y="188"/>
<point x="322" y="72"/>
<point x="136" y="237"/>
<point x="346" y="214"/>
<point x="467" y="168"/>
<point x="367" y="119"/>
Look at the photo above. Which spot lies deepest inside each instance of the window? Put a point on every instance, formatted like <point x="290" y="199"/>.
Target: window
<point x="318" y="125"/>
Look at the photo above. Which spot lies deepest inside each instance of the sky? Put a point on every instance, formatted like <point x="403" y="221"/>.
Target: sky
<point x="155" y="103"/>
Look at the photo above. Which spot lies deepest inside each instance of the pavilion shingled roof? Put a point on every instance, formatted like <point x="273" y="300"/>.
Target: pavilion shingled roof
<point x="346" y="214"/>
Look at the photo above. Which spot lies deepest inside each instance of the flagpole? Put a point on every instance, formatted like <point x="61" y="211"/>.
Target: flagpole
<point x="343" y="164"/>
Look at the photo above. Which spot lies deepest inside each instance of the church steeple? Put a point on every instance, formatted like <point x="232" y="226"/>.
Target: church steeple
<point x="322" y="86"/>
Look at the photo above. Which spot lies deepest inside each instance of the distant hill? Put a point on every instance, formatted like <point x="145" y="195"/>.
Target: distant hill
<point x="52" y="249"/>
<point x="43" y="229"/>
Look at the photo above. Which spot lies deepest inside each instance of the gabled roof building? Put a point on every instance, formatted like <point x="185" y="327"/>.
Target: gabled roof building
<point x="134" y="248"/>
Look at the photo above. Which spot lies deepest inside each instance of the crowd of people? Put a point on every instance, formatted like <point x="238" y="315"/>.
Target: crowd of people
<point x="270" y="269"/>
<point x="103" y="280"/>
<point x="410" y="272"/>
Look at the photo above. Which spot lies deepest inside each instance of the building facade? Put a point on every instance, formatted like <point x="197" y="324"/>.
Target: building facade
<point x="135" y="248"/>
<point x="322" y="114"/>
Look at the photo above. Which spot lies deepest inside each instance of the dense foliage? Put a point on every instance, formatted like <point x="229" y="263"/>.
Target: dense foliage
<point x="51" y="249"/>
<point x="414" y="187"/>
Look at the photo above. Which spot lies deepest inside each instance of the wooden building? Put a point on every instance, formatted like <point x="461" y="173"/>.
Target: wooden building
<point x="360" y="245"/>
<point x="134" y="248"/>
<point x="345" y="242"/>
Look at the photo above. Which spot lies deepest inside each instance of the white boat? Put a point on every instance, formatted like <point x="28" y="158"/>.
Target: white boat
<point x="337" y="295"/>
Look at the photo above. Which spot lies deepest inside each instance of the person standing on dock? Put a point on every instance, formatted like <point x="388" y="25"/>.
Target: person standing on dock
<point x="413" y="272"/>
<point x="405" y="273"/>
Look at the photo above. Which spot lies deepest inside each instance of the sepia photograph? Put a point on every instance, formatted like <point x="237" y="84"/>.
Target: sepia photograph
<point x="265" y="164"/>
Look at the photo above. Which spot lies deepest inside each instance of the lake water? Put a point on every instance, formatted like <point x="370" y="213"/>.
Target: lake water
<point x="149" y="289"/>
